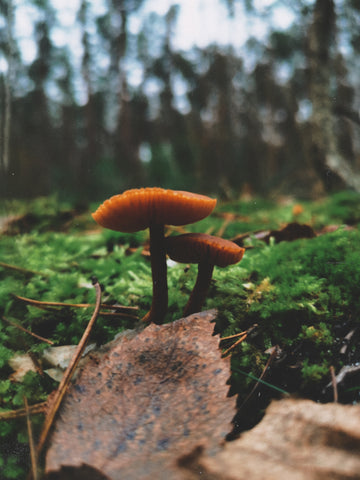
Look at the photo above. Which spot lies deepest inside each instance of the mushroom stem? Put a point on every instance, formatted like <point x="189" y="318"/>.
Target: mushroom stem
<point x="201" y="287"/>
<point x="159" y="304"/>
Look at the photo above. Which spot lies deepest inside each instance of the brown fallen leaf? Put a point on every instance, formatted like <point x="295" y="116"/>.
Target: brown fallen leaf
<point x="143" y="402"/>
<point x="291" y="231"/>
<point x="296" y="440"/>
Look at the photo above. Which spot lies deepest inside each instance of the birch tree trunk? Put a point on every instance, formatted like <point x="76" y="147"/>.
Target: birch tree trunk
<point x="326" y="156"/>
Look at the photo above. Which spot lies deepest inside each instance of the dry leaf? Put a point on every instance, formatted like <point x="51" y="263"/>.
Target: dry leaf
<point x="296" y="440"/>
<point x="21" y="364"/>
<point x="58" y="358"/>
<point x="291" y="231"/>
<point x="145" y="401"/>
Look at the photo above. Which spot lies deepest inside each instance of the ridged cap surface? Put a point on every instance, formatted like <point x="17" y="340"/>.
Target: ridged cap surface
<point x="136" y="209"/>
<point x="199" y="247"/>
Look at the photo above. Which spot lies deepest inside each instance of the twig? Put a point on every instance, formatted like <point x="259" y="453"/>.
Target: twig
<point x="241" y="339"/>
<point x="236" y="335"/>
<point x="33" y="457"/>
<point x="243" y="335"/>
<point x="37" y="364"/>
<point x="21" y="269"/>
<point x="122" y="309"/>
<point x="344" y="372"/>
<point x="59" y="394"/>
<point x="33" y="410"/>
<point x="23" y="329"/>
<point x="118" y="314"/>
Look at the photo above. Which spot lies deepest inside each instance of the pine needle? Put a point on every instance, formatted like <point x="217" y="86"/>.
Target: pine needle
<point x="261" y="378"/>
<point x="60" y="392"/>
<point x="25" y="271"/>
<point x="121" y="310"/>
<point x="23" y="329"/>
<point x="21" y="412"/>
<point x="242" y="336"/>
<point x="33" y="455"/>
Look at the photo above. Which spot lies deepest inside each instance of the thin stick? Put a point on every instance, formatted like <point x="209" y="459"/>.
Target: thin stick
<point x="230" y="337"/>
<point x="119" y="314"/>
<point x="21" y="269"/>
<point x="33" y="457"/>
<point x="241" y="339"/>
<point x="35" y="360"/>
<point x="59" y="394"/>
<point x="23" y="329"/>
<point x="243" y="335"/>
<point x="39" y="303"/>
<point x="33" y="410"/>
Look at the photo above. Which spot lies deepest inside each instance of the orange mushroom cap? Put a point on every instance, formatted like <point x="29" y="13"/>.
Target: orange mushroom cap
<point x="200" y="247"/>
<point x="138" y="208"/>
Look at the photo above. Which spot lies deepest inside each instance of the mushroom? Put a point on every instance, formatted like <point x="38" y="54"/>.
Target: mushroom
<point x="154" y="208"/>
<point x="207" y="251"/>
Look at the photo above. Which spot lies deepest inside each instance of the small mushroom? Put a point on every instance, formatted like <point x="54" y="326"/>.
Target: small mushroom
<point x="207" y="251"/>
<point x="154" y="208"/>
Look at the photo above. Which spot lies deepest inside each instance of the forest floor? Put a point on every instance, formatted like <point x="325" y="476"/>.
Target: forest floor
<point x="295" y="295"/>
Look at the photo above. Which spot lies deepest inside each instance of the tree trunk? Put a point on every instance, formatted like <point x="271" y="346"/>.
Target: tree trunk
<point x="327" y="159"/>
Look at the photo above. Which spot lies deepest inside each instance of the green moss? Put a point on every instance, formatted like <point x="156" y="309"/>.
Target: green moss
<point x="319" y="334"/>
<point x="299" y="294"/>
<point x="5" y="355"/>
<point x="303" y="296"/>
<point x="314" y="373"/>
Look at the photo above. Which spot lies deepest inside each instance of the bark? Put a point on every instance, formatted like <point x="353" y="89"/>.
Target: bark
<point x="128" y="142"/>
<point x="333" y="168"/>
<point x="90" y="153"/>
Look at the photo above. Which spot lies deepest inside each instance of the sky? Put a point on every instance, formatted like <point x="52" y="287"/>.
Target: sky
<point x="206" y="21"/>
<point x="200" y="23"/>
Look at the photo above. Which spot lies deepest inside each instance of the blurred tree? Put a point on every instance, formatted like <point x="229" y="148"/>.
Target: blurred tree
<point x="93" y="109"/>
<point x="69" y="131"/>
<point x="33" y="143"/>
<point x="172" y="146"/>
<point x="216" y="101"/>
<point x="9" y="53"/>
<point x="334" y="169"/>
<point x="278" y="116"/>
<point x="130" y="114"/>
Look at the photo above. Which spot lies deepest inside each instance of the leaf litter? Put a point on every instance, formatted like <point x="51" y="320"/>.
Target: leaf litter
<point x="253" y="278"/>
<point x="145" y="400"/>
<point x="296" y="440"/>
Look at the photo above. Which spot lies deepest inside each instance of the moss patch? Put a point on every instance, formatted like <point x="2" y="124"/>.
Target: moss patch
<point x="302" y="295"/>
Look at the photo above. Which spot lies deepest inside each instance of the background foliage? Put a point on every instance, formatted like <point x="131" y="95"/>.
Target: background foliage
<point x="277" y="116"/>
